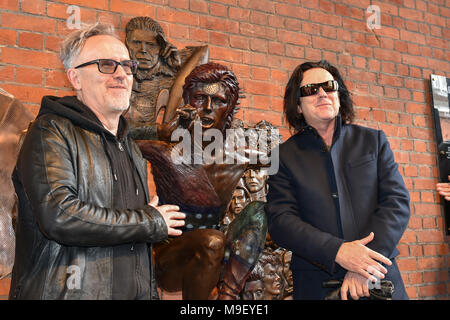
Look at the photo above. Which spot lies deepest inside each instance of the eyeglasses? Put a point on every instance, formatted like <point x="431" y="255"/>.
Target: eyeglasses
<point x="313" y="88"/>
<point x="109" y="66"/>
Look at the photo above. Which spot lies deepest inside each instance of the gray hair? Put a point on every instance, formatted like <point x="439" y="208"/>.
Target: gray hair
<point x="72" y="45"/>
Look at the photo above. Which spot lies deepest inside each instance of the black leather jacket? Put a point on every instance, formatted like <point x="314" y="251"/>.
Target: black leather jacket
<point x="65" y="231"/>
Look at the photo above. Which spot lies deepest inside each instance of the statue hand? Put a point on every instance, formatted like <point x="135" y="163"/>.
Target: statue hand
<point x="172" y="56"/>
<point x="184" y="117"/>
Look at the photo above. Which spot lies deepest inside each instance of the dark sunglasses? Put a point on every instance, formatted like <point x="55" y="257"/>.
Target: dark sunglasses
<point x="109" y="66"/>
<point x="313" y="88"/>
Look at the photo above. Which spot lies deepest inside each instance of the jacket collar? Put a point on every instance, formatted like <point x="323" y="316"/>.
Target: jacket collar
<point x="305" y="127"/>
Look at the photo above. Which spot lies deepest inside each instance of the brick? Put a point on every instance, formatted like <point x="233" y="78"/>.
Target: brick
<point x="7" y="73"/>
<point x="29" y="58"/>
<point x="429" y="236"/>
<point x="27" y="22"/>
<point x="407" y="264"/>
<point x="239" y="42"/>
<point x="295" y="51"/>
<point x="261" y="5"/>
<point x="218" y="38"/>
<point x="415" y="278"/>
<point x="429" y="277"/>
<point x="328" y="44"/>
<point x="255" y="58"/>
<point x="186" y="18"/>
<point x="261" y="102"/>
<point x="253" y="116"/>
<point x="286" y="36"/>
<point x="52" y="43"/>
<point x="260" y="73"/>
<point x="259" y="18"/>
<point x="292" y="11"/>
<point x="29" y="75"/>
<point x="31" y="40"/>
<point x="237" y="13"/>
<point x="9" y="4"/>
<point x="8" y="37"/>
<point x="33" y="6"/>
<point x="411" y="14"/>
<point x="25" y="93"/>
<point x="225" y="54"/>
<point x="182" y="4"/>
<point x="97" y="4"/>
<point x="219" y="10"/>
<point x="56" y="79"/>
<point x="330" y="19"/>
<point x="276" y="48"/>
<point x="359" y="50"/>
<point x="218" y="24"/>
<point x="260" y="87"/>
<point x="259" y="45"/>
<point x="241" y="70"/>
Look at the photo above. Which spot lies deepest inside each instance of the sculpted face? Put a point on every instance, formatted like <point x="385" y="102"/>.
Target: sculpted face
<point x="255" y="179"/>
<point x="238" y="201"/>
<point x="144" y="47"/>
<point x="105" y="94"/>
<point x="211" y="102"/>
<point x="272" y="281"/>
<point x="254" y="290"/>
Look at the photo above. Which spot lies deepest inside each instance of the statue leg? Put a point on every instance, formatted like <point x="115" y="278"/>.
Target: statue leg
<point x="245" y="241"/>
<point x="191" y="263"/>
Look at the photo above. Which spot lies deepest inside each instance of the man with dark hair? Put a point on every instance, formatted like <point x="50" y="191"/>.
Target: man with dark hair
<point x="338" y="201"/>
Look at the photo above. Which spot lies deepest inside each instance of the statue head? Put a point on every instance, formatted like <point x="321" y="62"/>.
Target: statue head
<point x="213" y="90"/>
<point x="255" y="180"/>
<point x="145" y="39"/>
<point x="272" y="280"/>
<point x="253" y="290"/>
<point x="239" y="200"/>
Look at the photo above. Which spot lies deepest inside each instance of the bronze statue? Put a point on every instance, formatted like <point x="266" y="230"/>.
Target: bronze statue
<point x="241" y="197"/>
<point x="192" y="262"/>
<point x="161" y="72"/>
<point x="255" y="181"/>
<point x="265" y="281"/>
<point x="252" y="186"/>
<point x="14" y="119"/>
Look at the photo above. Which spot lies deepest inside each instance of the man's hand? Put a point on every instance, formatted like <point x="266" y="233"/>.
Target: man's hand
<point x="356" y="284"/>
<point x="171" y="214"/>
<point x="444" y="189"/>
<point x="356" y="257"/>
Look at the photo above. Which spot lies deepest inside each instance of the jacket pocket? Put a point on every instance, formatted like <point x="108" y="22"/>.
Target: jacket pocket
<point x="361" y="161"/>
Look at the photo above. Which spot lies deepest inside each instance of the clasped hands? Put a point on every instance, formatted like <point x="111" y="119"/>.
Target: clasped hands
<point x="363" y="265"/>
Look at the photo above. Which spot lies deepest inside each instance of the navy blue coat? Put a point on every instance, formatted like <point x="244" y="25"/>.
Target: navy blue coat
<point x="320" y="198"/>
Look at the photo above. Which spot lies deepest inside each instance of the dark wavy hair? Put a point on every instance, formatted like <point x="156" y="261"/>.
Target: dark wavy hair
<point x="292" y="94"/>
<point x="212" y="72"/>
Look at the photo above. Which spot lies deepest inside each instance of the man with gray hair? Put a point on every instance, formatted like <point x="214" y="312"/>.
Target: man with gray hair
<point x="86" y="222"/>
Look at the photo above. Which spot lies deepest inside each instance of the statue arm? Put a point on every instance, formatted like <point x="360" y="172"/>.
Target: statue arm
<point x="163" y="131"/>
<point x="145" y="132"/>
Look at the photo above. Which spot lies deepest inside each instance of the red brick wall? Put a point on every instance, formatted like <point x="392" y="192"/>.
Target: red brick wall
<point x="387" y="69"/>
